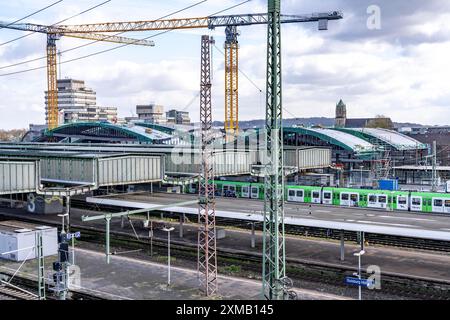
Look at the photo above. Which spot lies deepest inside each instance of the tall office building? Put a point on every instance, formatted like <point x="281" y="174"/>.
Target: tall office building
<point x="178" y="117"/>
<point x="77" y="103"/>
<point x="152" y="113"/>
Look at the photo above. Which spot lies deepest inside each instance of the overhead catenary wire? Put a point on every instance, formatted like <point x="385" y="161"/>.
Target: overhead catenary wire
<point x="71" y="17"/>
<point x="33" y="13"/>
<point x="91" y="42"/>
<point x="119" y="46"/>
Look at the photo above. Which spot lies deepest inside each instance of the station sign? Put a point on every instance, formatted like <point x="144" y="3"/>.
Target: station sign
<point x="359" y="282"/>
<point x="73" y="235"/>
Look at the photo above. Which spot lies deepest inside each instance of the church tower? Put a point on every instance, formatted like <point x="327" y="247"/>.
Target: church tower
<point x="341" y="114"/>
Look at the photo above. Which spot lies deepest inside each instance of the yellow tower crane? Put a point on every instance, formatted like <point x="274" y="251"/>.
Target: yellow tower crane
<point x="53" y="34"/>
<point x="230" y="22"/>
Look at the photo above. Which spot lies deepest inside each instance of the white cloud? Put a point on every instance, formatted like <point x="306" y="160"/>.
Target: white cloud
<point x="400" y="71"/>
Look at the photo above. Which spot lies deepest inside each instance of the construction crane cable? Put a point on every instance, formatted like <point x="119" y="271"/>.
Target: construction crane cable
<point x="95" y="41"/>
<point x="114" y="48"/>
<point x="252" y="82"/>
<point x="242" y="72"/>
<point x="32" y="14"/>
<point x="58" y="22"/>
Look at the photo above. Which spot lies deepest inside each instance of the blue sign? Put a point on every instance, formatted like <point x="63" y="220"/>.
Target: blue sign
<point x="359" y="282"/>
<point x="73" y="235"/>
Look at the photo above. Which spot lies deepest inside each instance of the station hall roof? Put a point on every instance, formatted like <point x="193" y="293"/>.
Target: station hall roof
<point x="395" y="139"/>
<point x="339" y="138"/>
<point x="108" y="131"/>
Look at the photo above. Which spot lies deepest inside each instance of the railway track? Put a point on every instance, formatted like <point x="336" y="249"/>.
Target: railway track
<point x="385" y="240"/>
<point x="8" y="293"/>
<point x="402" y="285"/>
<point x="301" y="270"/>
<point x="11" y="293"/>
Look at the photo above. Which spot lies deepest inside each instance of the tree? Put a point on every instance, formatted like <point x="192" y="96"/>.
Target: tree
<point x="380" y="121"/>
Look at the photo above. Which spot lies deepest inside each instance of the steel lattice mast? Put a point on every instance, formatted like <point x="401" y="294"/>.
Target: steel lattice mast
<point x="207" y="255"/>
<point x="273" y="240"/>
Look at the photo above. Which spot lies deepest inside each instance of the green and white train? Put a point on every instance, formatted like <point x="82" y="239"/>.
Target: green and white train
<point x="382" y="199"/>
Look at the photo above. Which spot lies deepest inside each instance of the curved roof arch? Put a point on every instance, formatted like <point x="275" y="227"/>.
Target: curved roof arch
<point x="106" y="131"/>
<point x="344" y="140"/>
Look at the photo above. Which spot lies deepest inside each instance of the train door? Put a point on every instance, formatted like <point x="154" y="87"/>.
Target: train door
<point x="193" y="188"/>
<point x="345" y="199"/>
<point x="296" y="195"/>
<point x="354" y="199"/>
<point x="245" y="191"/>
<point x="291" y="195"/>
<point x="254" y="192"/>
<point x="299" y="195"/>
<point x="437" y="205"/>
<point x="315" y="196"/>
<point x="327" y="197"/>
<point x="447" y="205"/>
<point x="416" y="203"/>
<point x="372" y="200"/>
<point x="402" y="202"/>
<point x="382" y="201"/>
<point x="229" y="190"/>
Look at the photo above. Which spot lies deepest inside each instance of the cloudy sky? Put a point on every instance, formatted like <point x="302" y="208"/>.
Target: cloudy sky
<point x="399" y="70"/>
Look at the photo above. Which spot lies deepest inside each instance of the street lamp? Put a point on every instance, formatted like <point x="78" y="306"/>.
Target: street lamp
<point x="168" y="230"/>
<point x="359" y="254"/>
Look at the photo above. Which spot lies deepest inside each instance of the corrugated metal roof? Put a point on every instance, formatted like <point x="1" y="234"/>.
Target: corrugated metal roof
<point x="398" y="140"/>
<point x="357" y="144"/>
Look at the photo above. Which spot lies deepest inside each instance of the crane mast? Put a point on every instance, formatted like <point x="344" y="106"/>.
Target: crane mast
<point x="231" y="81"/>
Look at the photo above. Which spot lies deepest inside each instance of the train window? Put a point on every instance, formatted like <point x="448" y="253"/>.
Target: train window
<point x="402" y="200"/>
<point x="245" y="189"/>
<point x="382" y="199"/>
<point x="438" y="202"/>
<point x="447" y="203"/>
<point x="416" y="201"/>
<point x="354" y="197"/>
<point x="327" y="195"/>
<point x="344" y="196"/>
<point x="316" y="194"/>
<point x="372" y="198"/>
<point x="300" y="193"/>
<point x="291" y="193"/>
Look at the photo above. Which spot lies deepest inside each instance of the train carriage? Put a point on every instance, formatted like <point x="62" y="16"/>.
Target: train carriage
<point x="377" y="199"/>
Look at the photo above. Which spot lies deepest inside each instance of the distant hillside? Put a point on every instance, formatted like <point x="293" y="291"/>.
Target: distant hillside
<point x="314" y="121"/>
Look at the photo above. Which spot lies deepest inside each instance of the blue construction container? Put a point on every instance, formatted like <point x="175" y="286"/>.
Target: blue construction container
<point x="389" y="184"/>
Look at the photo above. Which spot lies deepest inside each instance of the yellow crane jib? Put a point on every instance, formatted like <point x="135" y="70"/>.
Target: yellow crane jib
<point x="54" y="33"/>
<point x="231" y="46"/>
